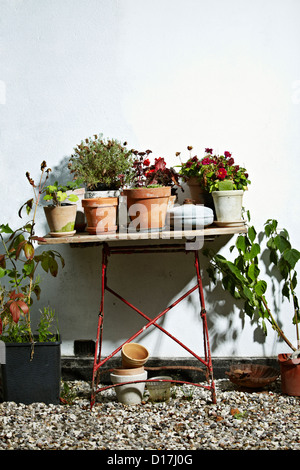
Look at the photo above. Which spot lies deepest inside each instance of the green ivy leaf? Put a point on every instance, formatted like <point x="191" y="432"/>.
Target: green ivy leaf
<point x="291" y="257"/>
<point x="28" y="267"/>
<point x="260" y="288"/>
<point x="5" y="228"/>
<point x="2" y="272"/>
<point x="253" y="271"/>
<point x="281" y="243"/>
<point x="241" y="243"/>
<point x="251" y="234"/>
<point x="255" y="250"/>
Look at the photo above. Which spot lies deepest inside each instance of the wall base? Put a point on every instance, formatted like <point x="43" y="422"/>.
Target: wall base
<point x="81" y="367"/>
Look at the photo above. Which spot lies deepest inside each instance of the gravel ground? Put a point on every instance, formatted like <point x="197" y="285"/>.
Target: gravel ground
<point x="265" y="420"/>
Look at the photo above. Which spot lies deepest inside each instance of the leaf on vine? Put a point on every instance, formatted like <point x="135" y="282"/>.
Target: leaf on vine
<point x="29" y="250"/>
<point x="291" y="257"/>
<point x="260" y="288"/>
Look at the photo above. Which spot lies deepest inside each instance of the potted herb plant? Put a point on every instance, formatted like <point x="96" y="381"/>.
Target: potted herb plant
<point x="149" y="192"/>
<point x="103" y="165"/>
<point x="242" y="278"/>
<point x="31" y="370"/>
<point x="61" y="213"/>
<point x="219" y="176"/>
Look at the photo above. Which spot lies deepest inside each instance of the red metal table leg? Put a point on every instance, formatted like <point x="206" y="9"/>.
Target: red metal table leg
<point x="97" y="359"/>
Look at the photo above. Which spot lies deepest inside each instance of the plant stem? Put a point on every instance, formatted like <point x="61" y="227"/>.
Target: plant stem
<point x="275" y="325"/>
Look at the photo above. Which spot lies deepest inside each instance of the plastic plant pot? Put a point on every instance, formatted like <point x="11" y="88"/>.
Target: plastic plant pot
<point x="159" y="391"/>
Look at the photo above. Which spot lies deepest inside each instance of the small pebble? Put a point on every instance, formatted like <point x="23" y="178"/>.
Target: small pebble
<point x="240" y="420"/>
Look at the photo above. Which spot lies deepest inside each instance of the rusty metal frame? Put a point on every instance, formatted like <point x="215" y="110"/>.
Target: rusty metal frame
<point x="98" y="362"/>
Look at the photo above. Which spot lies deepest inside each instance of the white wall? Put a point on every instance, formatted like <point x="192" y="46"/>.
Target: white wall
<point x="161" y="74"/>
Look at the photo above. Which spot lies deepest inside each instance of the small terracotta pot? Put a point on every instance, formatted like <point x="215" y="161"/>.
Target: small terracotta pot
<point x="101" y="214"/>
<point x="290" y="374"/>
<point x="147" y="207"/>
<point x="61" y="219"/>
<point x="134" y="355"/>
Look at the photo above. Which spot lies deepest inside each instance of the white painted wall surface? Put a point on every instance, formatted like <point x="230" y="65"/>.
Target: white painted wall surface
<point x="160" y="74"/>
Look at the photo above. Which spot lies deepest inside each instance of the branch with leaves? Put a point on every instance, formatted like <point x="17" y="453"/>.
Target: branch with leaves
<point x="18" y="268"/>
<point x="242" y="276"/>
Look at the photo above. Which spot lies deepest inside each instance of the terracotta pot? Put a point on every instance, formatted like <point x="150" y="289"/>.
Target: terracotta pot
<point x="147" y="207"/>
<point x="126" y="371"/>
<point x="290" y="374"/>
<point x="101" y="214"/>
<point x="61" y="219"/>
<point x="197" y="193"/>
<point x="134" y="355"/>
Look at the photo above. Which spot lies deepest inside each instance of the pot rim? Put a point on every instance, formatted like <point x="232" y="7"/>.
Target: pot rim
<point x="285" y="358"/>
<point x="100" y="201"/>
<point x="232" y="192"/>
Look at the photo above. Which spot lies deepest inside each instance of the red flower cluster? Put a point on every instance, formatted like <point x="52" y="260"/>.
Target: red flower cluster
<point x="211" y="169"/>
<point x="146" y="174"/>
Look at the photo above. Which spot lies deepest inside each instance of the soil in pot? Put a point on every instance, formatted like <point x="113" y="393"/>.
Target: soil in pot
<point x="147" y="208"/>
<point x="290" y="374"/>
<point x="101" y="215"/>
<point x="61" y="219"/>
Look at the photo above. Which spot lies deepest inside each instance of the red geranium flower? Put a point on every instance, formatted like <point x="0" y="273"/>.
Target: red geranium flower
<point x="222" y="173"/>
<point x="209" y="150"/>
<point x="227" y="154"/>
<point x="147" y="162"/>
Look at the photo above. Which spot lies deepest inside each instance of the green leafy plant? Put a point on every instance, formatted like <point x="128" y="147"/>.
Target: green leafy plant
<point x="47" y="329"/>
<point x="101" y="163"/>
<point x="67" y="394"/>
<point x="214" y="172"/>
<point x="58" y="193"/>
<point x="242" y="276"/>
<point x="19" y="262"/>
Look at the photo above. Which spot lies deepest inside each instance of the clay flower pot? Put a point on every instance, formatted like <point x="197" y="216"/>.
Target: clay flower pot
<point x="197" y="193"/>
<point x="147" y="207"/>
<point x="101" y="214"/>
<point x="61" y="219"/>
<point x="290" y="374"/>
<point x="134" y="355"/>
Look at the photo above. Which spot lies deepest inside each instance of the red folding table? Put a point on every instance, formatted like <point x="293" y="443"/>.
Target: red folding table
<point x="206" y="360"/>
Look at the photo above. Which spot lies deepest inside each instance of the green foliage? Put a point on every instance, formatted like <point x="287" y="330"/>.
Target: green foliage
<point x="67" y="394"/>
<point x="97" y="161"/>
<point x="58" y="193"/>
<point x="18" y="270"/>
<point x="47" y="329"/>
<point x="242" y="276"/>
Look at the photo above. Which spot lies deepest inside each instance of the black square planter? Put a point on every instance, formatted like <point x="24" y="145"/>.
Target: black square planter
<point x="29" y="381"/>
